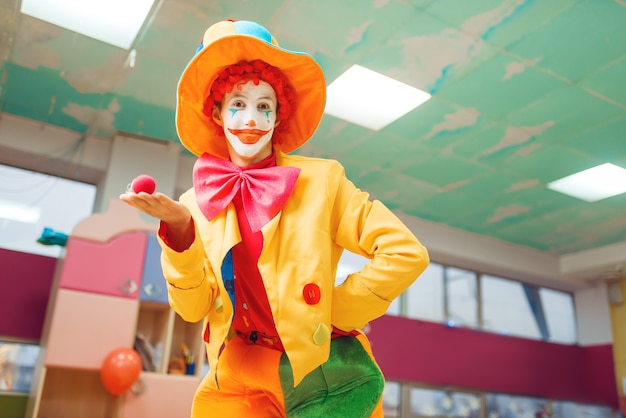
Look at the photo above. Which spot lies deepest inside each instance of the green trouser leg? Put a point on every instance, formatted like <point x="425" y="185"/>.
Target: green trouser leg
<point x="348" y="385"/>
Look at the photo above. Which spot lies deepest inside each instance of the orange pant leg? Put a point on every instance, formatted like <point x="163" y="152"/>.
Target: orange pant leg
<point x="249" y="385"/>
<point x="378" y="412"/>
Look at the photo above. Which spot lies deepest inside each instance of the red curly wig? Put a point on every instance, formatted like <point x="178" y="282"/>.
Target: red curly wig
<point x="254" y="71"/>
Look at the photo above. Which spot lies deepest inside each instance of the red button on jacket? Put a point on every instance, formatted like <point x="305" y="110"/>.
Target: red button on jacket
<point x="312" y="293"/>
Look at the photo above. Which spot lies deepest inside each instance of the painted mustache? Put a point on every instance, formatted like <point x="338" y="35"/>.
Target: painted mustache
<point x="248" y="136"/>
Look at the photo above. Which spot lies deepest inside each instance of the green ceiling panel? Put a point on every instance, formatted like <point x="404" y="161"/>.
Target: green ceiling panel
<point x="444" y="207"/>
<point x="443" y="170"/>
<point x="571" y="228"/>
<point x="43" y="95"/>
<point x="147" y="86"/>
<point x="332" y="67"/>
<point x="334" y="137"/>
<point x="346" y="30"/>
<point x="175" y="40"/>
<point x="548" y="163"/>
<point x="492" y="186"/>
<point x="427" y="54"/>
<point x="588" y="35"/>
<point x="386" y="149"/>
<point x="537" y="233"/>
<point x="146" y="120"/>
<point x="499" y="22"/>
<point x="569" y="111"/>
<point x="421" y="4"/>
<point x="413" y="125"/>
<point x="438" y="123"/>
<point x="397" y="191"/>
<point x="609" y="81"/>
<point x="497" y="143"/>
<point x="258" y="11"/>
<point x="607" y="143"/>
<point x="57" y="48"/>
<point x="489" y="220"/>
<point x="501" y="86"/>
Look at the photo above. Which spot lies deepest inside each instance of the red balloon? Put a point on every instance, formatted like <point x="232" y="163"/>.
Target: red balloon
<point x="120" y="370"/>
<point x="143" y="183"/>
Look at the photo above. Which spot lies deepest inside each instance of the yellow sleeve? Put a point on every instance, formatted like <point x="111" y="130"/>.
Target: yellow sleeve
<point x="191" y="284"/>
<point x="396" y="256"/>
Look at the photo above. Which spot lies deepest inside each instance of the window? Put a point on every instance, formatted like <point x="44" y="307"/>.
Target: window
<point x="425" y="296"/>
<point x="439" y="403"/>
<point x="17" y="364"/>
<point x="506" y="406"/>
<point x="461" y="297"/>
<point x="394" y="307"/>
<point x="573" y="410"/>
<point x="506" y="308"/>
<point x="422" y="402"/>
<point x="391" y="399"/>
<point x="31" y="202"/>
<point x="558" y="308"/>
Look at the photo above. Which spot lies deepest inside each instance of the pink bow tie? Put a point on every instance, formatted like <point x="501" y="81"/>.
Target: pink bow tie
<point x="264" y="187"/>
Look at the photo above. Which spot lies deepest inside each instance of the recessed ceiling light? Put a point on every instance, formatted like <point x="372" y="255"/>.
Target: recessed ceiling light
<point x="593" y="184"/>
<point x="115" y="22"/>
<point x="370" y="99"/>
<point x="20" y="212"/>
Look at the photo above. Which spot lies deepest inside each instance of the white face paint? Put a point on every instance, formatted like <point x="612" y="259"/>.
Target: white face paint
<point x="248" y="116"/>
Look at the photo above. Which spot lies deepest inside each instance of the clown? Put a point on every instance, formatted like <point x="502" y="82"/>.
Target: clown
<point x="252" y="249"/>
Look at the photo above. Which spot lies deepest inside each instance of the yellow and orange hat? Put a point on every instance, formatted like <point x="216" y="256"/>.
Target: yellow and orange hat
<point x="226" y="43"/>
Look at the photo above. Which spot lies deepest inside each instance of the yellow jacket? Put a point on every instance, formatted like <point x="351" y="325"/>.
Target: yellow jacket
<point x="302" y="244"/>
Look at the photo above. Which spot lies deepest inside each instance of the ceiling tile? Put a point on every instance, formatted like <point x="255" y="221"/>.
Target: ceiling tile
<point x="498" y="143"/>
<point x="145" y="119"/>
<point x="428" y="54"/>
<point x="443" y="170"/>
<point x="501" y="86"/>
<point x="333" y="138"/>
<point x="390" y="152"/>
<point x="591" y="34"/>
<point x="437" y="123"/>
<point x="348" y="29"/>
<point x="151" y="81"/>
<point x="609" y="81"/>
<point x="565" y="112"/>
<point x="607" y="142"/>
<point x="397" y="191"/>
<point x="43" y="95"/>
<point x="545" y="163"/>
<point x="499" y="22"/>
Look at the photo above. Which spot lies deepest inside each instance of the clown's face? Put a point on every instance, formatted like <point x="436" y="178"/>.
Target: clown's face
<point x="248" y="115"/>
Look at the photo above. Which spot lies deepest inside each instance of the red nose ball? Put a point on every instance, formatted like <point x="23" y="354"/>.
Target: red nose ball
<point x="144" y="183"/>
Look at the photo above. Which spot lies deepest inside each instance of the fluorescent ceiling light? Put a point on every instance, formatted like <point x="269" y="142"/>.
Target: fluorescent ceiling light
<point x="115" y="22"/>
<point x="370" y="99"/>
<point x="20" y="212"/>
<point x="594" y="184"/>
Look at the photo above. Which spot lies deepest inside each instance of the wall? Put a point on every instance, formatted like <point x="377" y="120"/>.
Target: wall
<point x="426" y="352"/>
<point x="593" y="318"/>
<point x="25" y="280"/>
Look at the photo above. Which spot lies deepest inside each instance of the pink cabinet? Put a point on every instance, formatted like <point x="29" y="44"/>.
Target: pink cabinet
<point x="85" y="327"/>
<point x="163" y="396"/>
<point x="109" y="268"/>
<point x="109" y="291"/>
